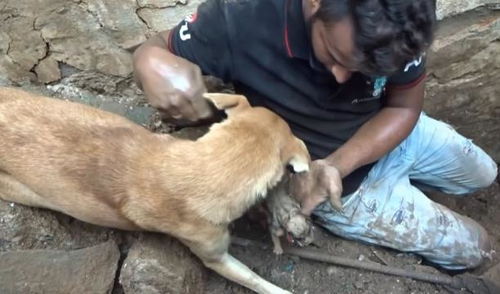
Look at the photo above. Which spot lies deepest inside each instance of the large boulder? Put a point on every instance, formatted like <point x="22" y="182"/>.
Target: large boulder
<point x="88" y="270"/>
<point x="463" y="72"/>
<point x="160" y="264"/>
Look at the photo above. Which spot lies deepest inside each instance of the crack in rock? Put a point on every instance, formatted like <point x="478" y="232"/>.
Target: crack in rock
<point x="137" y="12"/>
<point x="94" y="14"/>
<point x="152" y="6"/>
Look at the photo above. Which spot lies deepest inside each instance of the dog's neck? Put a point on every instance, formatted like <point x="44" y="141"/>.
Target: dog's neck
<point x="225" y="168"/>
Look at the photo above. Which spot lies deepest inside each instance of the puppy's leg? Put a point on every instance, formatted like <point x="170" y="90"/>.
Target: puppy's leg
<point x="275" y="237"/>
<point x="214" y="255"/>
<point x="14" y="191"/>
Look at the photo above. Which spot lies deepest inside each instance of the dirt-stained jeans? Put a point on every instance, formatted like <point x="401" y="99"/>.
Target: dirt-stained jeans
<point x="388" y="210"/>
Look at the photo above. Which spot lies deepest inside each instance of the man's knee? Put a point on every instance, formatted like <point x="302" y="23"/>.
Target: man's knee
<point x="472" y="257"/>
<point x="490" y="174"/>
<point x="482" y="253"/>
<point x="485" y="247"/>
<point x="482" y="169"/>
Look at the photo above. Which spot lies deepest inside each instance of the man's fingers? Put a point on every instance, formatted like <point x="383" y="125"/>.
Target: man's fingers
<point x="335" y="195"/>
<point x="183" y="106"/>
<point x="336" y="202"/>
<point x="310" y="203"/>
<point x="334" y="189"/>
<point x="202" y="108"/>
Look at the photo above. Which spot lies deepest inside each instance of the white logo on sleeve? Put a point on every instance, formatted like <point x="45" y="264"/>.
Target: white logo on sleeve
<point x="183" y="32"/>
<point x="414" y="63"/>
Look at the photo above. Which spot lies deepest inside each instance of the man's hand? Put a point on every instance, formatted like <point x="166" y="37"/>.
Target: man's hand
<point x="322" y="182"/>
<point x="171" y="84"/>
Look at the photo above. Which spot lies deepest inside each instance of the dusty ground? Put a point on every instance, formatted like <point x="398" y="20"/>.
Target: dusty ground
<point x="304" y="276"/>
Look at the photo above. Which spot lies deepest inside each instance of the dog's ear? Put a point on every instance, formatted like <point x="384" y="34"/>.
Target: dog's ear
<point x="298" y="156"/>
<point x="298" y="164"/>
<point x="227" y="102"/>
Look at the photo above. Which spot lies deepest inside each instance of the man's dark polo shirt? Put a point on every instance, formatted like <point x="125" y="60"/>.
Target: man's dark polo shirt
<point x="264" y="48"/>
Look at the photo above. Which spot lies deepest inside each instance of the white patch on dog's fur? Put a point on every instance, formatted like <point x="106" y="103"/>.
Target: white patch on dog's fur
<point x="299" y="166"/>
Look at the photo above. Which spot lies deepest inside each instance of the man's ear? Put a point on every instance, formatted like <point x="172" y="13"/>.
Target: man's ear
<point x="311" y="7"/>
<point x="315" y="5"/>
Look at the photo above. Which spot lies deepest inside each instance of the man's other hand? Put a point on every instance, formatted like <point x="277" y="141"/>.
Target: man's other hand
<point x="322" y="182"/>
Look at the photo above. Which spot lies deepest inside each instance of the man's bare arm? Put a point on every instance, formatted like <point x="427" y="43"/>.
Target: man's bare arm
<point x="383" y="132"/>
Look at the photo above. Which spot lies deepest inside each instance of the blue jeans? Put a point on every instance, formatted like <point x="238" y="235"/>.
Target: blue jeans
<point x="388" y="210"/>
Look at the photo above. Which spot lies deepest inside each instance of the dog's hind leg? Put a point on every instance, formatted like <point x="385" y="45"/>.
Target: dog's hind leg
<point x="214" y="255"/>
<point x="14" y="191"/>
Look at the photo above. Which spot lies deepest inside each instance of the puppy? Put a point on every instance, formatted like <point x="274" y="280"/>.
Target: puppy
<point x="285" y="218"/>
<point x="103" y="169"/>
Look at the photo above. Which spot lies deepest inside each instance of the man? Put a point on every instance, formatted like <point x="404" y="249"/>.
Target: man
<point x="348" y="76"/>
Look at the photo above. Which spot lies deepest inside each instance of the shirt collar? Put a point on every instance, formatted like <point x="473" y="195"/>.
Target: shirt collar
<point x="297" y="38"/>
<point x="296" y="33"/>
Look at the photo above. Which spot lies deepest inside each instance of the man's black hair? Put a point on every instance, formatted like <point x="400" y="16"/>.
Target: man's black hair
<point x="388" y="33"/>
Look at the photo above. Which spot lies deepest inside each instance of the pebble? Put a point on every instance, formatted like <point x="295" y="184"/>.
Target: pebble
<point x="331" y="270"/>
<point x="358" y="284"/>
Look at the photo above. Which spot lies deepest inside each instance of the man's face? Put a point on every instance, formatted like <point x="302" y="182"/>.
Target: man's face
<point x="333" y="46"/>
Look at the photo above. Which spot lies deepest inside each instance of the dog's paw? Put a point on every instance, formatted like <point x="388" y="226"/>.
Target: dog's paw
<point x="277" y="250"/>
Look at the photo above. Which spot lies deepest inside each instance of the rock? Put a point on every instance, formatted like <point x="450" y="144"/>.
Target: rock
<point x="77" y="38"/>
<point x="493" y="275"/>
<point x="109" y="93"/>
<point x="460" y="37"/>
<point x="160" y="264"/>
<point x="27" y="228"/>
<point x="120" y="20"/>
<point x="21" y="47"/>
<point x="23" y="228"/>
<point x="88" y="270"/>
<point x="462" y="87"/>
<point x="166" y="18"/>
<point x="447" y="8"/>
<point x="159" y="3"/>
<point x="48" y="70"/>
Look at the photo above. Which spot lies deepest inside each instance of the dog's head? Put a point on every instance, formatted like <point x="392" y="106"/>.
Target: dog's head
<point x="294" y="154"/>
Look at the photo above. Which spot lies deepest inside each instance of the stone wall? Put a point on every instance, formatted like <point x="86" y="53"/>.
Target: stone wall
<point x="44" y="41"/>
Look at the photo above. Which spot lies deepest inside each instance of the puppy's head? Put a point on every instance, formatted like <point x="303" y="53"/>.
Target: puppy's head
<point x="299" y="230"/>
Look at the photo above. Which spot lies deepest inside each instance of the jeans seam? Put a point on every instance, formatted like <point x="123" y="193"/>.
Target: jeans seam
<point x="463" y="186"/>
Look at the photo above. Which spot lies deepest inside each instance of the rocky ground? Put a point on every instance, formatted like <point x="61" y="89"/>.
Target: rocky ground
<point x="47" y="252"/>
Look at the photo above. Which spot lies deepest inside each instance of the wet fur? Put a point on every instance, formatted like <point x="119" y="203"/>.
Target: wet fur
<point x="103" y="169"/>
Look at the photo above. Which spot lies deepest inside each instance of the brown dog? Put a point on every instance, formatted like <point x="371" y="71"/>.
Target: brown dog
<point x="103" y="169"/>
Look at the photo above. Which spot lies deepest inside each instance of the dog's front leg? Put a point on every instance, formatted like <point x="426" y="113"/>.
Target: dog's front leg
<point x="233" y="269"/>
<point x="212" y="250"/>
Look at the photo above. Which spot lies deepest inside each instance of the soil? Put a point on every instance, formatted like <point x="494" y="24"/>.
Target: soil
<point x="310" y="277"/>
